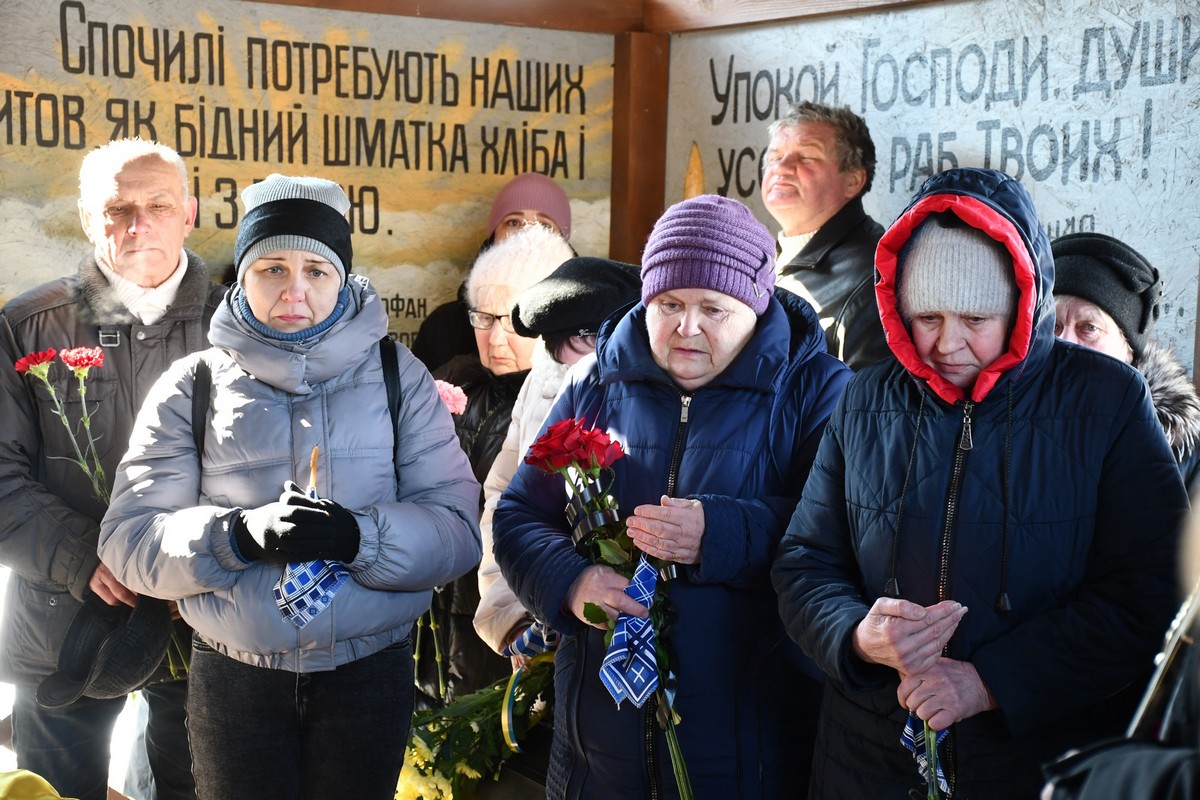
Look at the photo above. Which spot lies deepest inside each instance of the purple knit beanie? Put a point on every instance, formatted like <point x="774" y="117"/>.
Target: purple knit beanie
<point x="532" y="190"/>
<point x="710" y="242"/>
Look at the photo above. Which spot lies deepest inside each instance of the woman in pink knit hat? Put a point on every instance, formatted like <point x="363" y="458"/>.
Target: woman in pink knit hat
<point x="528" y="199"/>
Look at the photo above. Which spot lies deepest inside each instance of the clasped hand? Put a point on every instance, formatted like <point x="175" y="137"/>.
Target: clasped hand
<point x="604" y="587"/>
<point x="671" y="530"/>
<point x="947" y="692"/>
<point x="295" y="528"/>
<point x="911" y="638"/>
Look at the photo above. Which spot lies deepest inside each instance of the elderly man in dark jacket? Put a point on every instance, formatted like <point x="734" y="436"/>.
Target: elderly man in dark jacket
<point x="145" y="301"/>
<point x="987" y="541"/>
<point x="718" y="391"/>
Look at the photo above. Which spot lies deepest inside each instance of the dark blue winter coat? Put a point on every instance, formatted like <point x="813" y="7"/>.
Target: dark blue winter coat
<point x="742" y="445"/>
<point x="1065" y="511"/>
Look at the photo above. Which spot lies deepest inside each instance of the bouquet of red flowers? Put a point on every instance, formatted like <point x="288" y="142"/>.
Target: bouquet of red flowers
<point x="584" y="458"/>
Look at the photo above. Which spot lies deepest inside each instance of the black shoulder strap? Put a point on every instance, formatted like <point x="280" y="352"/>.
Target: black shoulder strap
<point x="391" y="379"/>
<point x="201" y="389"/>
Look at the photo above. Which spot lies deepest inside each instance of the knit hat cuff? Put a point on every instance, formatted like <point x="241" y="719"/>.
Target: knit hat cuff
<point x="291" y="241"/>
<point x="310" y="225"/>
<point x="711" y="271"/>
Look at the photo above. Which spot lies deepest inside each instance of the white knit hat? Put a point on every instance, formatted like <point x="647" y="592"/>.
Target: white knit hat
<point x="294" y="213"/>
<point x="518" y="262"/>
<point x="949" y="266"/>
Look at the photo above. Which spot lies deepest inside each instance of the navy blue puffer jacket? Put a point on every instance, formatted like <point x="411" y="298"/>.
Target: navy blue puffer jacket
<point x="1063" y="512"/>
<point x="742" y="445"/>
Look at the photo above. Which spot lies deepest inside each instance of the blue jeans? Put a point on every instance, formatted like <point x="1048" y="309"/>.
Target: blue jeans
<point x="267" y="734"/>
<point x="70" y="746"/>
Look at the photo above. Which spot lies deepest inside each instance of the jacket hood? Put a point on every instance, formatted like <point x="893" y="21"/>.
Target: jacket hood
<point x="295" y="366"/>
<point x="1000" y="207"/>
<point x="787" y="335"/>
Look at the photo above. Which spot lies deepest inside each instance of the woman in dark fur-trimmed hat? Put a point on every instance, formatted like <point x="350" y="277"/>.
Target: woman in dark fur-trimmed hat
<point x="1107" y="296"/>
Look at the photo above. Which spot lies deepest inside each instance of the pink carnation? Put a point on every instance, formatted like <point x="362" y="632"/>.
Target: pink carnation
<point x="454" y="397"/>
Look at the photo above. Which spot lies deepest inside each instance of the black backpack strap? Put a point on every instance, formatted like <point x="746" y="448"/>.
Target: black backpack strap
<point x="391" y="380"/>
<point x="201" y="390"/>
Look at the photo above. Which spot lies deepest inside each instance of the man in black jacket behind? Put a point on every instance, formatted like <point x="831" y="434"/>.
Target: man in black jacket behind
<point x="819" y="164"/>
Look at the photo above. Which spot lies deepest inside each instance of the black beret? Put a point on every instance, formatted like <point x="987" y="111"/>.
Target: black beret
<point x="576" y="297"/>
<point x="1112" y="275"/>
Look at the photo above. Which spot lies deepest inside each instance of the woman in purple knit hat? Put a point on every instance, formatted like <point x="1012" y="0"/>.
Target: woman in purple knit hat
<point x="718" y="389"/>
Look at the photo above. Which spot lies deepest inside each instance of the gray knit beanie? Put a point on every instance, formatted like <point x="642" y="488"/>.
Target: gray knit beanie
<point x="710" y="242"/>
<point x="949" y="266"/>
<point x="301" y="213"/>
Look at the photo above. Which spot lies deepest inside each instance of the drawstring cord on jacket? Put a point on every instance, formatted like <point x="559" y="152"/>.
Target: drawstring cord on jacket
<point x="892" y="587"/>
<point x="1002" y="602"/>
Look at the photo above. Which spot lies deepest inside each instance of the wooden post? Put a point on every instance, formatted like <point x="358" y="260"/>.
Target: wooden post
<point x="639" y="141"/>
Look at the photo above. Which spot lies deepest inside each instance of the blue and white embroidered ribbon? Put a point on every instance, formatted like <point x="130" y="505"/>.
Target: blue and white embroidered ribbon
<point x="307" y="588"/>
<point x="630" y="669"/>
<point x="913" y="739"/>
<point x="537" y="638"/>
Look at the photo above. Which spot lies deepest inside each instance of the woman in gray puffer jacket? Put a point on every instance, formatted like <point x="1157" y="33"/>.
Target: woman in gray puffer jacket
<point x="296" y="690"/>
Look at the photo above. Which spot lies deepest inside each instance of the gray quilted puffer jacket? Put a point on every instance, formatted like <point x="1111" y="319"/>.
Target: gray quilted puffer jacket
<point x="167" y="532"/>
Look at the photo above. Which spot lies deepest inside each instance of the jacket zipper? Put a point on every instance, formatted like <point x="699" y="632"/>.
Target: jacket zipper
<point x="965" y="443"/>
<point x="648" y="715"/>
<point x="649" y="712"/>
<point x="680" y="434"/>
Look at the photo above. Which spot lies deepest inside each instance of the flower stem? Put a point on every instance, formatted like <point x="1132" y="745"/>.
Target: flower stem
<point x="678" y="765"/>
<point x="177" y="660"/>
<point x="61" y="412"/>
<point x="99" y="483"/>
<point x="931" y="780"/>
<point x="437" y="656"/>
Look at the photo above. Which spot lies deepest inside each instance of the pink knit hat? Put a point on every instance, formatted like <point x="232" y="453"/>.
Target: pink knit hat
<point x="532" y="191"/>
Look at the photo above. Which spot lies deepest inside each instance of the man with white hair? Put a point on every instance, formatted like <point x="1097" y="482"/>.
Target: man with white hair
<point x="143" y="301"/>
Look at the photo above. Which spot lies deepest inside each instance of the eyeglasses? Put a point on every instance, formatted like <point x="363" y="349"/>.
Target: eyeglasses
<point x="484" y="321"/>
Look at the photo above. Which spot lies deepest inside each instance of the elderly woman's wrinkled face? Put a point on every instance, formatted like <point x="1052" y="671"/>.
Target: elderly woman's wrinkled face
<point x="501" y="350"/>
<point x="291" y="290"/>
<point x="696" y="333"/>
<point x="1076" y="320"/>
<point x="959" y="346"/>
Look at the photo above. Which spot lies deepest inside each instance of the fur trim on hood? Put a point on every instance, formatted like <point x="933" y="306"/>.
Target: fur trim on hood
<point x="1174" y="396"/>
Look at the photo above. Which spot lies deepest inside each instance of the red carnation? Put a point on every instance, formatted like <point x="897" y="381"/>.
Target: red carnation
<point x="80" y="360"/>
<point x="35" y="359"/>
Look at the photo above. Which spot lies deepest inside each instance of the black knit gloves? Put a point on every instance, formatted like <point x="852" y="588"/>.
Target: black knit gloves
<point x="296" y="528"/>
